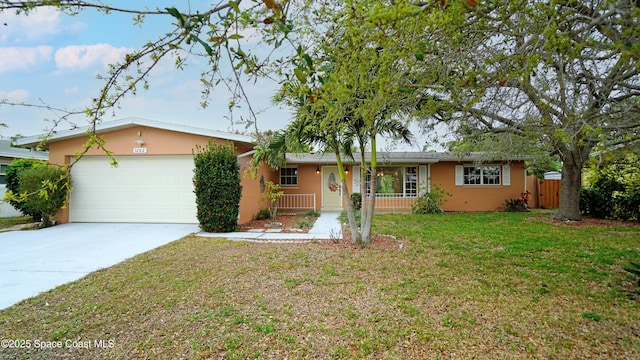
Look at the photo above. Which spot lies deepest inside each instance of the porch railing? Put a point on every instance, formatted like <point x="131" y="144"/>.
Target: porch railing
<point x="297" y="202"/>
<point x="398" y="202"/>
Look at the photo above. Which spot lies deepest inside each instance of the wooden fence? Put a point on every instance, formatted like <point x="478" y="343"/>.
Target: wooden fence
<point x="548" y="194"/>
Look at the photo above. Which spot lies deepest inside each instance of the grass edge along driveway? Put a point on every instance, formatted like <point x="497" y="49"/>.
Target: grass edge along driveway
<point x="483" y="285"/>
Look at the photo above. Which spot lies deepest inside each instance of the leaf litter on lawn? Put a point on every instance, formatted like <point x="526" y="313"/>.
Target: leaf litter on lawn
<point x="437" y="297"/>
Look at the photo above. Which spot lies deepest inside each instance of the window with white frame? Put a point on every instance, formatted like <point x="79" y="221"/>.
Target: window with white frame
<point x="482" y="175"/>
<point x="395" y="180"/>
<point x="289" y="176"/>
<point x="411" y="181"/>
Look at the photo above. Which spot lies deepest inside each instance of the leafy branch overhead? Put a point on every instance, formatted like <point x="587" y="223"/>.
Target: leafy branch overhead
<point x="214" y="34"/>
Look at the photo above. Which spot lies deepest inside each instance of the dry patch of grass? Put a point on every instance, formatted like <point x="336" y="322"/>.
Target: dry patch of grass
<point x="467" y="286"/>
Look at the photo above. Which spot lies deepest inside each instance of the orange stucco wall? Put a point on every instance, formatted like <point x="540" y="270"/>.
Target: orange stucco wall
<point x="157" y="142"/>
<point x="250" y="202"/>
<point x="464" y="198"/>
<point x="476" y="197"/>
<point x="308" y="183"/>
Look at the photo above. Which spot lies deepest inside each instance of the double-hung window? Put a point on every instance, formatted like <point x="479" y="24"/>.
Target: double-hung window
<point x="411" y="181"/>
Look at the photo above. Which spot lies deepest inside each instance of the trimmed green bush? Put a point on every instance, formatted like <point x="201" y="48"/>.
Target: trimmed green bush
<point x="37" y="189"/>
<point x="46" y="188"/>
<point x="13" y="182"/>
<point x="217" y="187"/>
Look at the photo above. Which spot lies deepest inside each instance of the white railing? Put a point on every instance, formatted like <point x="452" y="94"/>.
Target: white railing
<point x="394" y="202"/>
<point x="297" y="201"/>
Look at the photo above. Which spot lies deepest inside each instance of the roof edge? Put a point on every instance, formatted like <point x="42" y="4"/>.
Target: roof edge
<point x="400" y="157"/>
<point x="131" y="122"/>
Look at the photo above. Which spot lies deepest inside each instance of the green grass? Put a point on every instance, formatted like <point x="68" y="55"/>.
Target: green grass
<point x="482" y="285"/>
<point x="9" y="222"/>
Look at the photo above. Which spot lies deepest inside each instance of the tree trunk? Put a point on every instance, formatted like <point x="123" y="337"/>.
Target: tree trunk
<point x="356" y="236"/>
<point x="570" y="191"/>
<point x="368" y="224"/>
<point x="353" y="226"/>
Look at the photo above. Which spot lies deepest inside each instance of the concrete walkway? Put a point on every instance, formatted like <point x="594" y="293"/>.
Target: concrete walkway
<point x="326" y="227"/>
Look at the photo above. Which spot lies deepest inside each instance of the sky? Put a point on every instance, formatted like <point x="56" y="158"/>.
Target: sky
<point x="50" y="58"/>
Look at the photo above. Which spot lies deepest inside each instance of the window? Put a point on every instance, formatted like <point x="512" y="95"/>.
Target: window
<point x="289" y="176"/>
<point x="3" y="174"/>
<point x="395" y="180"/>
<point x="481" y="175"/>
<point x="411" y="181"/>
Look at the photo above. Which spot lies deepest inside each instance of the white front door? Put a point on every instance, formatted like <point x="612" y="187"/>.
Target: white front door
<point x="331" y="188"/>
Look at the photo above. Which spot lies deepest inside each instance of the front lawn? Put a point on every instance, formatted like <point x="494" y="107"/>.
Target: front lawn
<point x="12" y="221"/>
<point x="487" y="286"/>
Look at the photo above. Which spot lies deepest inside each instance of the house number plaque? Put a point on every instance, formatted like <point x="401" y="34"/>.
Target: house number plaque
<point x="139" y="150"/>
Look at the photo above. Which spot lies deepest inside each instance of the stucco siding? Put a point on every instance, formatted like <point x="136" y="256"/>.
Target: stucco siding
<point x="156" y="142"/>
<point x="477" y="197"/>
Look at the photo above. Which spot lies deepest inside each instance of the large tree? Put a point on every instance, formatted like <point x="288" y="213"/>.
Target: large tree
<point x="563" y="72"/>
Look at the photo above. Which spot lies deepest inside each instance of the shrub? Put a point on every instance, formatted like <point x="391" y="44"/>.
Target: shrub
<point x="515" y="205"/>
<point x="263" y="214"/>
<point x="13" y="182"/>
<point x="615" y="189"/>
<point x="271" y="194"/>
<point x="603" y="203"/>
<point x="431" y="202"/>
<point x="312" y="214"/>
<point x="628" y="206"/>
<point x="594" y="203"/>
<point x="304" y="223"/>
<point x="38" y="189"/>
<point x="217" y="187"/>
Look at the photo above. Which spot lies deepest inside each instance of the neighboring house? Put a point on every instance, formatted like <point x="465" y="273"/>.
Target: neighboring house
<point x="7" y="155"/>
<point x="153" y="181"/>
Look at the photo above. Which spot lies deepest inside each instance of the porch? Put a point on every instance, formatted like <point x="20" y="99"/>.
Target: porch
<point x="388" y="203"/>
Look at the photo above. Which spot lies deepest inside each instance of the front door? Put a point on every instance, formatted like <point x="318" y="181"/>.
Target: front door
<point x="331" y="188"/>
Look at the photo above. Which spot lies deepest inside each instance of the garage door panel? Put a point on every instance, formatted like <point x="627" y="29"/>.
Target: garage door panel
<point x="140" y="189"/>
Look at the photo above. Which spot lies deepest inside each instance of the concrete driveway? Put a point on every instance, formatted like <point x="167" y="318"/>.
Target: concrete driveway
<point x="39" y="260"/>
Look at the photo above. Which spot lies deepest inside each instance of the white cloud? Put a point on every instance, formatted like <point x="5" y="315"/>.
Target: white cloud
<point x="71" y="90"/>
<point x="33" y="27"/>
<point x="84" y="56"/>
<point x="23" y="58"/>
<point x="17" y="96"/>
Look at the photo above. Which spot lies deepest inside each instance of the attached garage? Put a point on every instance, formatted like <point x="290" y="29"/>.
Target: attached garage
<point x="153" y="180"/>
<point x="155" y="189"/>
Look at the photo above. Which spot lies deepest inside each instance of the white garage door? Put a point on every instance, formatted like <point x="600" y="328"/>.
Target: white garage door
<point x="156" y="189"/>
